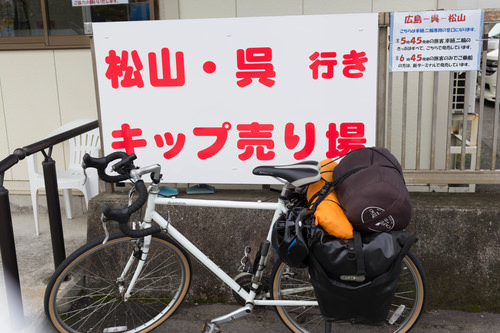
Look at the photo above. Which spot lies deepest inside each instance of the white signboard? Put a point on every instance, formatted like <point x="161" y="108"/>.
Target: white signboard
<point x="211" y="99"/>
<point x="83" y="3"/>
<point x="436" y="41"/>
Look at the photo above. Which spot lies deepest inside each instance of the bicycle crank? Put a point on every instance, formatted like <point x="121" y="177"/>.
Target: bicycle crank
<point x="210" y="328"/>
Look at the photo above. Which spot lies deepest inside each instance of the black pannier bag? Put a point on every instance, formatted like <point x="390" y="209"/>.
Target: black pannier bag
<point x="370" y="187"/>
<point x="355" y="279"/>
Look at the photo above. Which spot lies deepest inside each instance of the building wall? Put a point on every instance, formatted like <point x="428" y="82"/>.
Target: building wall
<point x="39" y="91"/>
<point x="42" y="89"/>
<point x="241" y="8"/>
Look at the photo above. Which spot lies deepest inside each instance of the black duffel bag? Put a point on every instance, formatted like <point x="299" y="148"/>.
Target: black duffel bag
<point x="355" y="279"/>
<point x="371" y="189"/>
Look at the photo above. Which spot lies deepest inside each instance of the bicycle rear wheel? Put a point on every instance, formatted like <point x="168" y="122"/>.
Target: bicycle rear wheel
<point x="85" y="293"/>
<point x="293" y="284"/>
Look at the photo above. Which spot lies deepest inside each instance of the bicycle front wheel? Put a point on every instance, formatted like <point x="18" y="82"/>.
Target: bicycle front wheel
<point x="86" y="293"/>
<point x="407" y="305"/>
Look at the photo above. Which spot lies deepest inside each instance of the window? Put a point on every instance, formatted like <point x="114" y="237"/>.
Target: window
<point x="32" y="24"/>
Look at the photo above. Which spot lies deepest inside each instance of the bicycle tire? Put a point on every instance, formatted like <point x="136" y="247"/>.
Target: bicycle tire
<point x="410" y="297"/>
<point x="84" y="295"/>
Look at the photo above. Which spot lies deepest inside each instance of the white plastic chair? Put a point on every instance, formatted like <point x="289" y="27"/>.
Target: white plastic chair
<point x="73" y="177"/>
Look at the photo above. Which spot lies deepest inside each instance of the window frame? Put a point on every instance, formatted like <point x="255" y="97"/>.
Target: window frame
<point x="57" y="42"/>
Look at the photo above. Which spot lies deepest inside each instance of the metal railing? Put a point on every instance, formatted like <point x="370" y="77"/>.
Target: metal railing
<point x="7" y="243"/>
<point x="437" y="123"/>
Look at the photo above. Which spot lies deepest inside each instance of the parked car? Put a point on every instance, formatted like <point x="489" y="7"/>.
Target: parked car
<point x="490" y="78"/>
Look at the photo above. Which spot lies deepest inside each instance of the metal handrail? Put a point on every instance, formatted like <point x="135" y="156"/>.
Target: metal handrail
<point x="7" y="243"/>
<point x="21" y="153"/>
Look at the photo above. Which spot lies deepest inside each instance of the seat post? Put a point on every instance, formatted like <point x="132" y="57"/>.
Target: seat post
<point x="54" y="209"/>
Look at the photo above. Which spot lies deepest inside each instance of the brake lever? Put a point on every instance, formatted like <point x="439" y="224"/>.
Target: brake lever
<point x="131" y="194"/>
<point x="85" y="174"/>
<point x="104" y="220"/>
<point x="125" y="165"/>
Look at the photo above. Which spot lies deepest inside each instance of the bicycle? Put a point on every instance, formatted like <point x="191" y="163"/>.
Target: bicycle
<point x="134" y="280"/>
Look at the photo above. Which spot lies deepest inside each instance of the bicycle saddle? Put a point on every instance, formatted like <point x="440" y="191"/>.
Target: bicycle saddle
<point x="297" y="174"/>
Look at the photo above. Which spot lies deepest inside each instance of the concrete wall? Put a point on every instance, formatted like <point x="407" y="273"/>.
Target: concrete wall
<point x="458" y="243"/>
<point x="459" y="248"/>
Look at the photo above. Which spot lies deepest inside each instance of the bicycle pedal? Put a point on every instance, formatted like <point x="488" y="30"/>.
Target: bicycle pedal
<point x="209" y="327"/>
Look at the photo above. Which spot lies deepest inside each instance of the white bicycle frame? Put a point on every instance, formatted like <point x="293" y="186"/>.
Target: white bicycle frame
<point x="151" y="215"/>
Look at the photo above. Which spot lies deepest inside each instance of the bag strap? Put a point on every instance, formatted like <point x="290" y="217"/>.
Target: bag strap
<point x="319" y="196"/>
<point x="394" y="166"/>
<point x="328" y="326"/>
<point x="352" y="171"/>
<point x="360" y="261"/>
<point x="347" y="174"/>
<point x="301" y="224"/>
<point x="329" y="186"/>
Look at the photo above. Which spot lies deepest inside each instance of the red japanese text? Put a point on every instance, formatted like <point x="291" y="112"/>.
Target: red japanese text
<point x="254" y="63"/>
<point x="292" y="140"/>
<point x="256" y="138"/>
<point x="349" y="137"/>
<point x="128" y="142"/>
<point x="353" y="64"/>
<point x="124" y="73"/>
<point x="220" y="134"/>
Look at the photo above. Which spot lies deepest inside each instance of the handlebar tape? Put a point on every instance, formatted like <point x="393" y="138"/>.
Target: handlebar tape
<point x="122" y="216"/>
<point x="101" y="163"/>
<point x="139" y="233"/>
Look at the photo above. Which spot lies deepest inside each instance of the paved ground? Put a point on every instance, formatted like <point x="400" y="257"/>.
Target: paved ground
<point x="36" y="265"/>
<point x="35" y="260"/>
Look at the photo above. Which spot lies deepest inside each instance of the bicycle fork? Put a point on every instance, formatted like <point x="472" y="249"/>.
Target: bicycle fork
<point x="213" y="325"/>
<point x="140" y="254"/>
